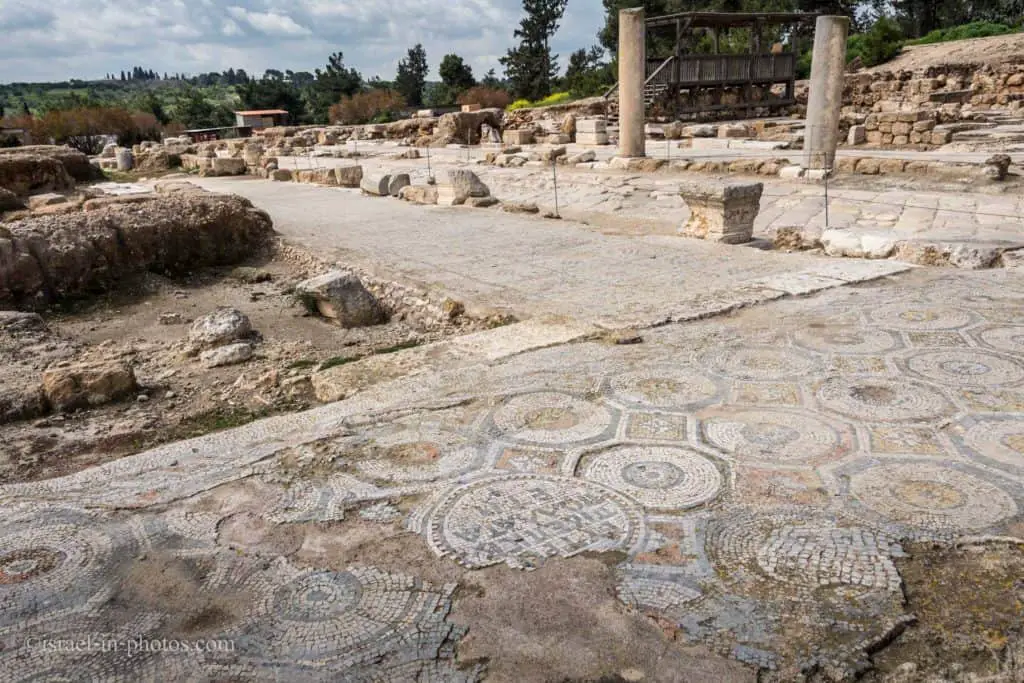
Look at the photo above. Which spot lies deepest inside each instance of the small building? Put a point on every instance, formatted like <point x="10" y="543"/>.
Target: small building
<point x="261" y="118"/>
<point x="224" y="133"/>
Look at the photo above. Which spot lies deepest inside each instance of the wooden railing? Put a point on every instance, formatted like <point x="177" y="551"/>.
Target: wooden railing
<point x="710" y="70"/>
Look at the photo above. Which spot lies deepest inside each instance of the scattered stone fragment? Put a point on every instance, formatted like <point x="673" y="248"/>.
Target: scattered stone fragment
<point x="171" y="319"/>
<point x="231" y="354"/>
<point x="377" y="186"/>
<point x="342" y="297"/>
<point x="222" y="326"/>
<point x="519" y="207"/>
<point x="88" y="384"/>
<point x="397" y="182"/>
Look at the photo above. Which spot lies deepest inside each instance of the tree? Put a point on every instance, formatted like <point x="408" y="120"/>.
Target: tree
<point x="586" y="74"/>
<point x="195" y="111"/>
<point x="412" y="75"/>
<point x="490" y="80"/>
<point x="456" y="74"/>
<point x="272" y="93"/>
<point x="330" y="85"/>
<point x="530" y="66"/>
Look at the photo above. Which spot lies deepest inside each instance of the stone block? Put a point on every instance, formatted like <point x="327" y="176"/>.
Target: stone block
<point x="874" y="137"/>
<point x="858" y="135"/>
<point x="868" y="166"/>
<point x="900" y="140"/>
<point x="733" y="130"/>
<point x="941" y="137"/>
<point x="721" y="212"/>
<point x="470" y="107"/>
<point x="591" y="126"/>
<point x="342" y="297"/>
<point x="922" y="126"/>
<point x="466" y="184"/>
<point x="791" y="173"/>
<point x="227" y="166"/>
<point x="591" y="138"/>
<point x="558" y="139"/>
<point x="518" y="137"/>
<point x="891" y="166"/>
<point x="88" y="384"/>
<point x="901" y="128"/>
<point x="376" y="185"/>
<point x="397" y="182"/>
<point x="281" y="174"/>
<point x="419" y="194"/>
<point x="348" y="176"/>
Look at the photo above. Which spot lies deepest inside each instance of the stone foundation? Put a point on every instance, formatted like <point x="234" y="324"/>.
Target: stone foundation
<point x="721" y="212"/>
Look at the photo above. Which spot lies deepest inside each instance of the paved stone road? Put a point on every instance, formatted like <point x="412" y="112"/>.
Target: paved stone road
<point x="757" y="475"/>
<point x="650" y="203"/>
<point x="535" y="266"/>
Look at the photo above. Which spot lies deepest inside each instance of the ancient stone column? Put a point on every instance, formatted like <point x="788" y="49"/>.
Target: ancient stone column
<point x="632" y="74"/>
<point x="825" y="99"/>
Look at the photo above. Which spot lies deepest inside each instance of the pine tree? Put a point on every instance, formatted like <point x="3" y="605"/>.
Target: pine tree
<point x="412" y="76"/>
<point x="530" y="66"/>
<point x="456" y="74"/>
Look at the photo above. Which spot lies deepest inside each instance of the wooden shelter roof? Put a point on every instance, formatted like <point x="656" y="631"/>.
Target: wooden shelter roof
<point x="729" y="19"/>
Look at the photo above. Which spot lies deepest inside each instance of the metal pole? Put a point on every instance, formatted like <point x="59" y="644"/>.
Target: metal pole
<point x="828" y="172"/>
<point x="430" y="174"/>
<point x="554" y="179"/>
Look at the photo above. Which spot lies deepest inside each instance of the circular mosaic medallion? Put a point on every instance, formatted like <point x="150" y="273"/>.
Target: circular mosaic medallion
<point x="657" y="477"/>
<point x="759" y="363"/>
<point x="51" y="566"/>
<point x="1000" y="440"/>
<point x="520" y="519"/>
<point x="354" y="616"/>
<point x="1009" y="339"/>
<point x="882" y="399"/>
<point x="970" y="367"/>
<point x="316" y="597"/>
<point x="666" y="390"/>
<point x="773" y="435"/>
<point x="919" y="317"/>
<point x="846" y="339"/>
<point x="931" y="498"/>
<point x="548" y="418"/>
<point x="795" y="548"/>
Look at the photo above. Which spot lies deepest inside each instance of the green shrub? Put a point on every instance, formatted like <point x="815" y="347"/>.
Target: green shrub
<point x="519" y="104"/>
<point x="553" y="98"/>
<point x="975" y="29"/>
<point x="879" y="44"/>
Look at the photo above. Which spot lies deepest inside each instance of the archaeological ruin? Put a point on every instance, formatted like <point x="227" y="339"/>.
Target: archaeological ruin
<point x="715" y="376"/>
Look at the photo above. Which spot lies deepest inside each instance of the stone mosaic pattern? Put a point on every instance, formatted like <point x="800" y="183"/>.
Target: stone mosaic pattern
<point x="758" y="473"/>
<point x="522" y="519"/>
<point x="657" y="477"/>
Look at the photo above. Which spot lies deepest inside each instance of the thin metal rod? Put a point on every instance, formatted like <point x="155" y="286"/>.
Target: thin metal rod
<point x="554" y="178"/>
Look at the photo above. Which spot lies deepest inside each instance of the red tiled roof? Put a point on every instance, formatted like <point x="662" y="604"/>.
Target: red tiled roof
<point x="261" y="112"/>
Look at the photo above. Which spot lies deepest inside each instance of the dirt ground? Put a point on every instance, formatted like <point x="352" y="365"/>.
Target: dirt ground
<point x="969" y="603"/>
<point x="146" y="324"/>
<point x="991" y="50"/>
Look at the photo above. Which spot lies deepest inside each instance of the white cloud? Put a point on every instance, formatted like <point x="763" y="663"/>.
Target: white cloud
<point x="87" y="38"/>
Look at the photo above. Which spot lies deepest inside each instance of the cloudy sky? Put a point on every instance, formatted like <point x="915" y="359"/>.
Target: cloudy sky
<point x="54" y="40"/>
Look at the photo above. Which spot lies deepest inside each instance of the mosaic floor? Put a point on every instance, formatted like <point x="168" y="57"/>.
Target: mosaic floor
<point x="758" y="473"/>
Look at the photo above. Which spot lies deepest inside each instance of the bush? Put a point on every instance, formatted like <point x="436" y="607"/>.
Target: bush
<point x="881" y="43"/>
<point x="976" y="29"/>
<point x="554" y="98"/>
<point x="487" y="98"/>
<point x="364" y="107"/>
<point x="84" y="128"/>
